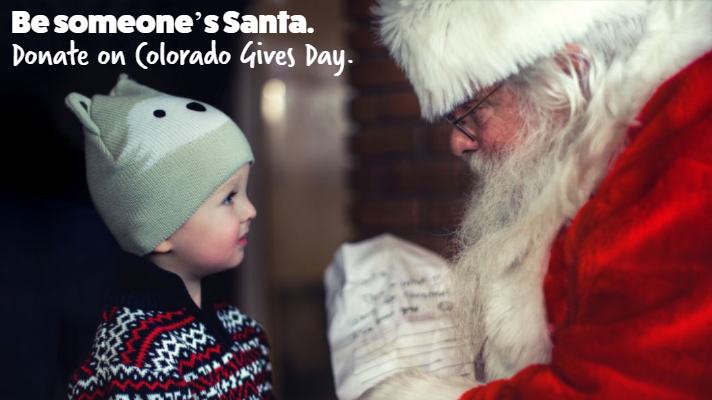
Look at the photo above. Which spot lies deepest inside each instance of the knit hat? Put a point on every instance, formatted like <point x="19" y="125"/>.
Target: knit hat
<point x="450" y="49"/>
<point x="152" y="159"/>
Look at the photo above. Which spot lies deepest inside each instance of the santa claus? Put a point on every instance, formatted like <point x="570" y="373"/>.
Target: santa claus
<point x="585" y="260"/>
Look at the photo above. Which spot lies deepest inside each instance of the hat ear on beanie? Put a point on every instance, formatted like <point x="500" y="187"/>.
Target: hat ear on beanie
<point x="81" y="106"/>
<point x="126" y="86"/>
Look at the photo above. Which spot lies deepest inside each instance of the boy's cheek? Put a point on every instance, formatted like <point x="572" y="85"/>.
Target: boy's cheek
<point x="210" y="242"/>
<point x="222" y="243"/>
<point x="229" y="232"/>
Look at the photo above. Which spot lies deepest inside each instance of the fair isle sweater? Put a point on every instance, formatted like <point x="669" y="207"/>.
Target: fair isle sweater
<point x="155" y="343"/>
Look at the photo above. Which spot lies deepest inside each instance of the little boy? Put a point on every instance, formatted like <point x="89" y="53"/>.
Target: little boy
<point x="168" y="176"/>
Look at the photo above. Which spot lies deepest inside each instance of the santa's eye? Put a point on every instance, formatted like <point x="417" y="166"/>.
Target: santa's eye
<point x="479" y="116"/>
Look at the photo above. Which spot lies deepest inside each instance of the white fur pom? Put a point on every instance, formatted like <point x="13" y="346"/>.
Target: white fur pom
<point x="417" y="385"/>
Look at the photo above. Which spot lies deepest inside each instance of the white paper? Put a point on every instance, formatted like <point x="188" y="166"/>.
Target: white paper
<point x="388" y="310"/>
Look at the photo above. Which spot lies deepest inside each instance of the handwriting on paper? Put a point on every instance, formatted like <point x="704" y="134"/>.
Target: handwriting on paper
<point x="391" y="311"/>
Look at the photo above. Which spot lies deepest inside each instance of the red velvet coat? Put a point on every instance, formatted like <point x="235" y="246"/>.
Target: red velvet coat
<point x="629" y="285"/>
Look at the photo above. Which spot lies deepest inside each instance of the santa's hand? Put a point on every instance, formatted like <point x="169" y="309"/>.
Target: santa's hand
<point x="416" y="385"/>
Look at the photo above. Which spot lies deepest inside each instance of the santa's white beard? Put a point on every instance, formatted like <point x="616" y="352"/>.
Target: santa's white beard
<point x="504" y="241"/>
<point x="525" y="193"/>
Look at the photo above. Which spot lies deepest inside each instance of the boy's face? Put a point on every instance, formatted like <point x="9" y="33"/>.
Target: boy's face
<point x="214" y="237"/>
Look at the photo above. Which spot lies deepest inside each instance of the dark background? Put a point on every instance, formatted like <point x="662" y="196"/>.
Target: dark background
<point x="56" y="260"/>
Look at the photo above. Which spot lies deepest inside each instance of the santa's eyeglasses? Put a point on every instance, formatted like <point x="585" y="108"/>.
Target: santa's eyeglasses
<point x="461" y="123"/>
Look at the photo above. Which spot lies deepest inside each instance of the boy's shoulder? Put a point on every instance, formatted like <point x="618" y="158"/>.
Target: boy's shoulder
<point x="146" y="338"/>
<point x="152" y="339"/>
<point x="124" y="357"/>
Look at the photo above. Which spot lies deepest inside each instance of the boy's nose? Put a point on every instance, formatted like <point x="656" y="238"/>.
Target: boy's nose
<point x="461" y="145"/>
<point x="250" y="212"/>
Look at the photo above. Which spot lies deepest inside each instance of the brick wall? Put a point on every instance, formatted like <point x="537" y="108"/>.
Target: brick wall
<point x="404" y="179"/>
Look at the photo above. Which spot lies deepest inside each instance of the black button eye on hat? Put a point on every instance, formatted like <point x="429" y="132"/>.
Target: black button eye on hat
<point x="195" y="106"/>
<point x="159" y="113"/>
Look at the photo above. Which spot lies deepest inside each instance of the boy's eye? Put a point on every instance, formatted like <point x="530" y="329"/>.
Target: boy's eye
<point x="228" y="199"/>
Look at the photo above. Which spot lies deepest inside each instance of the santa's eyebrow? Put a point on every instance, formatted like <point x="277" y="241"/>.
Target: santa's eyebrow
<point x="476" y="98"/>
<point x="469" y="102"/>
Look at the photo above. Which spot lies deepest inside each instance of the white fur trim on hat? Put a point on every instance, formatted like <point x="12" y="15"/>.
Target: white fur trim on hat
<point x="450" y="49"/>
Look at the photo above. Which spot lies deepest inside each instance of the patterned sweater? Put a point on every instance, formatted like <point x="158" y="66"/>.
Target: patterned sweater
<point x="155" y="343"/>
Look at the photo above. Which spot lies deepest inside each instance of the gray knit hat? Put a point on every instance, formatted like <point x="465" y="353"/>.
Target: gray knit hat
<point x="152" y="159"/>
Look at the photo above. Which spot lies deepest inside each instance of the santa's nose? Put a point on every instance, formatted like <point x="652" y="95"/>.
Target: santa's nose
<point x="461" y="145"/>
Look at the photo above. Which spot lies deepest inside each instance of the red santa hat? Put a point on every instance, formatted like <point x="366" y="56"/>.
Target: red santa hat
<point x="450" y="49"/>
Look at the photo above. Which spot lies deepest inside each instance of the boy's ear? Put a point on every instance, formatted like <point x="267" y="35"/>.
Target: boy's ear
<point x="164" y="247"/>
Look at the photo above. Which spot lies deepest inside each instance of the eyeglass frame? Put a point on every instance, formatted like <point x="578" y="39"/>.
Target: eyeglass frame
<point x="456" y="122"/>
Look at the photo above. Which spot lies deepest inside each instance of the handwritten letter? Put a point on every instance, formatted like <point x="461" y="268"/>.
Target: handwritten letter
<point x="388" y="307"/>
